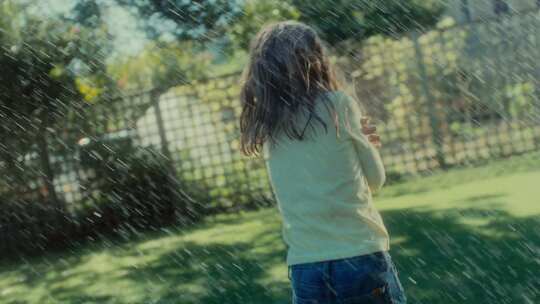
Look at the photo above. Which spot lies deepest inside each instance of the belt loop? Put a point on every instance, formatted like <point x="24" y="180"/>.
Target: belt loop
<point x="289" y="272"/>
<point x="329" y="278"/>
<point x="328" y="268"/>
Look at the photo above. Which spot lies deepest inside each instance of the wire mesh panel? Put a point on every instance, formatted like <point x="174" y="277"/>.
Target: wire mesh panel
<point x="455" y="95"/>
<point x="390" y="84"/>
<point x="200" y="123"/>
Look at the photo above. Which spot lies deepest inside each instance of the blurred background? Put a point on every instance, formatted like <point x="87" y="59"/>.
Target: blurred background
<point x="121" y="176"/>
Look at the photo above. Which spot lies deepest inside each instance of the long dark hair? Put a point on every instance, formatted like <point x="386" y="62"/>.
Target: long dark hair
<point x="288" y="68"/>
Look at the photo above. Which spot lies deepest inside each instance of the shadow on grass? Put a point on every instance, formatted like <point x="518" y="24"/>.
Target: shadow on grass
<point x="477" y="254"/>
<point x="186" y="272"/>
<point x="218" y="273"/>
<point x="442" y="259"/>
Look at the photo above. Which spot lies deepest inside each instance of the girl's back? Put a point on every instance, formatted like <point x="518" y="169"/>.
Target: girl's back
<point x="322" y="176"/>
<point x="323" y="192"/>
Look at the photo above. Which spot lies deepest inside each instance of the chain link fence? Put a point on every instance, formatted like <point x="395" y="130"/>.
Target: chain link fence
<point x="446" y="97"/>
<point x="457" y="95"/>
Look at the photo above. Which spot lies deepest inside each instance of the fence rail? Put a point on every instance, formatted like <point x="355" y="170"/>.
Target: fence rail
<point x="441" y="98"/>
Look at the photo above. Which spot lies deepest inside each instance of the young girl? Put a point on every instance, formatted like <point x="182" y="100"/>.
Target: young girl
<point x="323" y="165"/>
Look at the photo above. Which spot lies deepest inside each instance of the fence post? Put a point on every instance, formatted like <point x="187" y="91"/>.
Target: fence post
<point x="45" y="161"/>
<point x="466" y="11"/>
<point x="177" y="192"/>
<point x="154" y="99"/>
<point x="436" y="134"/>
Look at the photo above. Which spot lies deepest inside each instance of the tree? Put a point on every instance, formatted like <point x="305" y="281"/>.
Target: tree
<point x="201" y="20"/>
<point x="205" y="20"/>
<point x="87" y="13"/>
<point x="354" y="19"/>
<point x="500" y="7"/>
<point x="161" y="65"/>
<point x="256" y="13"/>
<point x="46" y="67"/>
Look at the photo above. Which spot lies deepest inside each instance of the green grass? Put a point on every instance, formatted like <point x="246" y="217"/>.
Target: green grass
<point x="470" y="235"/>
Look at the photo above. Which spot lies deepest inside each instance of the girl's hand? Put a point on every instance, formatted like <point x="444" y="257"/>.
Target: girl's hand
<point x="370" y="131"/>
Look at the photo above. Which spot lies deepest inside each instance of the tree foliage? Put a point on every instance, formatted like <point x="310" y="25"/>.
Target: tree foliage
<point x="49" y="68"/>
<point x="185" y="19"/>
<point x="205" y="20"/>
<point x="256" y="13"/>
<point x="161" y="65"/>
<point x="353" y="19"/>
<point x="47" y="64"/>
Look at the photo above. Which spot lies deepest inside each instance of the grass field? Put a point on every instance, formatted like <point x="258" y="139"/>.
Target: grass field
<point x="466" y="236"/>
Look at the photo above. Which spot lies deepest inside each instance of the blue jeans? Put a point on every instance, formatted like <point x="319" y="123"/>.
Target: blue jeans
<point x="370" y="278"/>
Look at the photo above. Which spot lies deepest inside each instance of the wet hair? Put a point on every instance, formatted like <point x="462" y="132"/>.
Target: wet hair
<point x="288" y="69"/>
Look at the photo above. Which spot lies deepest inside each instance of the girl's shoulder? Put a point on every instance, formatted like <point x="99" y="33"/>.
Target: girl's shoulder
<point x="336" y="97"/>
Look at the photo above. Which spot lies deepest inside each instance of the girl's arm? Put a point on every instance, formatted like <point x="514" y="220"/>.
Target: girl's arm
<point x="351" y="127"/>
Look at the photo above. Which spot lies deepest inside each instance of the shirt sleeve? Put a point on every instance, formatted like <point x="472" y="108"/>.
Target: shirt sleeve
<point x="350" y="128"/>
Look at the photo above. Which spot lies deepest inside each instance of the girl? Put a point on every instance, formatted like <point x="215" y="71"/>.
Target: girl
<point x="323" y="165"/>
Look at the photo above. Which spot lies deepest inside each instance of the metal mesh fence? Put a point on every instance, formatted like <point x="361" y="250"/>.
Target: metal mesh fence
<point x="455" y="95"/>
<point x="449" y="96"/>
<point x="193" y="127"/>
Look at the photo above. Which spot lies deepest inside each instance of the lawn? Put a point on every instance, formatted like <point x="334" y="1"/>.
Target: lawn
<point x="469" y="235"/>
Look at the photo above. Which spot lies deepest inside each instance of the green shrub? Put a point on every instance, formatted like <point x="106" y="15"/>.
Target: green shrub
<point x="30" y="225"/>
<point x="129" y="186"/>
<point x="126" y="189"/>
